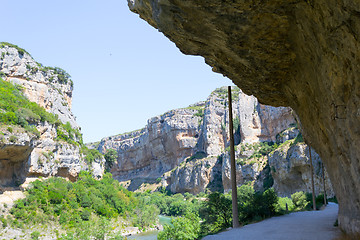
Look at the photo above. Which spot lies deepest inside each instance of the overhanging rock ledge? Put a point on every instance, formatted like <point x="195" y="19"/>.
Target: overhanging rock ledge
<point x="302" y="54"/>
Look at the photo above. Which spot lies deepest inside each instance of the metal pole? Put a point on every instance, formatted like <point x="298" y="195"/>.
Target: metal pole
<point x="312" y="180"/>
<point x="323" y="178"/>
<point x="232" y="165"/>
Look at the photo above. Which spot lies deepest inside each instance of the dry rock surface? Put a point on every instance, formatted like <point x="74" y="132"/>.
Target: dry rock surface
<point x="22" y="154"/>
<point x="301" y="54"/>
<point x="185" y="150"/>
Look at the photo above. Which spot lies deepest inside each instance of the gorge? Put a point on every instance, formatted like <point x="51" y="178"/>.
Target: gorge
<point x="302" y="54"/>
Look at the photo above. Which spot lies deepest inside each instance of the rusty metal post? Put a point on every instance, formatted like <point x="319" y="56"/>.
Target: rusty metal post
<point x="232" y="165"/>
<point x="312" y="180"/>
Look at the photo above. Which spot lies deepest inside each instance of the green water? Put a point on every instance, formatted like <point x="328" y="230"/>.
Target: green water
<point x="153" y="234"/>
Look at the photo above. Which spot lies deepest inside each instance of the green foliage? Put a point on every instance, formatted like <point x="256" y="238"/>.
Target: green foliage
<point x="197" y="155"/>
<point x="300" y="201"/>
<point x="268" y="180"/>
<point x="111" y="156"/>
<point x="91" y="154"/>
<point x="263" y="148"/>
<point x="68" y="134"/>
<point x="298" y="139"/>
<point x="319" y="201"/>
<point x="182" y="228"/>
<point x="256" y="205"/>
<point x="62" y="75"/>
<point x="172" y="205"/>
<point x="4" y="221"/>
<point x="16" y="109"/>
<point x="146" y="213"/>
<point x="158" y="180"/>
<point x="13" y="138"/>
<point x="217" y="212"/>
<point x="75" y="204"/>
<point x="35" y="235"/>
<point x="200" y="113"/>
<point x="282" y="203"/>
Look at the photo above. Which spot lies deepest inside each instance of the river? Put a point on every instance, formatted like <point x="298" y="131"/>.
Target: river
<point x="153" y="234"/>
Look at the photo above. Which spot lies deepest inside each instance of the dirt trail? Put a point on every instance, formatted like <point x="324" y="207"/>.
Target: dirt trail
<point x="318" y="225"/>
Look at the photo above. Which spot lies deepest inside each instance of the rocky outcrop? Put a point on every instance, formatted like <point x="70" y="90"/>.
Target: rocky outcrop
<point x="51" y="88"/>
<point x="163" y="144"/>
<point x="22" y="154"/>
<point x="302" y="54"/>
<point x="169" y="139"/>
<point x="290" y="169"/>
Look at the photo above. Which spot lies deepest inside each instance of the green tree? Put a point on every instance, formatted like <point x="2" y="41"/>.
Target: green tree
<point x="217" y="212"/>
<point x="300" y="201"/>
<point x="182" y="228"/>
<point x="111" y="156"/>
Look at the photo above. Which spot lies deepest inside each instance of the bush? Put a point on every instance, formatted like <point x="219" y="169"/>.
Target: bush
<point x="182" y="228"/>
<point x="300" y="201"/>
<point x="282" y="203"/>
<point x="110" y="156"/>
<point x="217" y="212"/>
<point x="85" y="215"/>
<point x="35" y="235"/>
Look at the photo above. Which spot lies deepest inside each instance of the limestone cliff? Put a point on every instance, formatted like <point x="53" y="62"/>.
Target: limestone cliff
<point x="193" y="142"/>
<point x="290" y="169"/>
<point x="302" y="54"/>
<point x="25" y="154"/>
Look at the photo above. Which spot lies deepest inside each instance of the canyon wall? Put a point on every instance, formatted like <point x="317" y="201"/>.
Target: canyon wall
<point x="24" y="154"/>
<point x="302" y="54"/>
<point x="188" y="148"/>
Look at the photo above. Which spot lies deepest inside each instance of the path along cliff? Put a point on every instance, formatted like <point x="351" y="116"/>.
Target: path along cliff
<point x="315" y="225"/>
<point x="302" y="54"/>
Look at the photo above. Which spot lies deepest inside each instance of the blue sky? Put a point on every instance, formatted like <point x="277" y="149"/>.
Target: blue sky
<point x="124" y="70"/>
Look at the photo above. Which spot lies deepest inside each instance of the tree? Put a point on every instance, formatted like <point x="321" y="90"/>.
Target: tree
<point x="217" y="211"/>
<point x="183" y="228"/>
<point x="110" y="157"/>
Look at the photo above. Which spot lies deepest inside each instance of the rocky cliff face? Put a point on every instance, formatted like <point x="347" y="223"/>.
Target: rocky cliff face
<point x="290" y="169"/>
<point x="23" y="154"/>
<point x="49" y="87"/>
<point x="169" y="139"/>
<point x="302" y="54"/>
<point x="192" y="144"/>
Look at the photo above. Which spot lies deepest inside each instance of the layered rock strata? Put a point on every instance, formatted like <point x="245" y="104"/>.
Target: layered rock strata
<point x="191" y="143"/>
<point x="169" y="139"/>
<point x="302" y="54"/>
<point x="22" y="154"/>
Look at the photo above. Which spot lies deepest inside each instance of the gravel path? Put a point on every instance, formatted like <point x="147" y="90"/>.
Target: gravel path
<point x="316" y="225"/>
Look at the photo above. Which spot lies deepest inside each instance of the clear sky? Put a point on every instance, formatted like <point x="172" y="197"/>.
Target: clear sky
<point x="124" y="70"/>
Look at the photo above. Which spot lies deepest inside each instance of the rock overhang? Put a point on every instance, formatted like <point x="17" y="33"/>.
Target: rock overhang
<point x="303" y="54"/>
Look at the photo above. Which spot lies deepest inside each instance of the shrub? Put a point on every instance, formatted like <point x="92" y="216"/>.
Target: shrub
<point x="35" y="235"/>
<point x="13" y="138"/>
<point x="10" y="129"/>
<point x="182" y="228"/>
<point x="217" y="212"/>
<point x="85" y="215"/>
<point x="282" y="203"/>
<point x="300" y="201"/>
<point x="110" y="156"/>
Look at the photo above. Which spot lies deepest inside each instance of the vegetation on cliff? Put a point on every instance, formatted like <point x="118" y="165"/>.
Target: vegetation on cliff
<point x="16" y="109"/>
